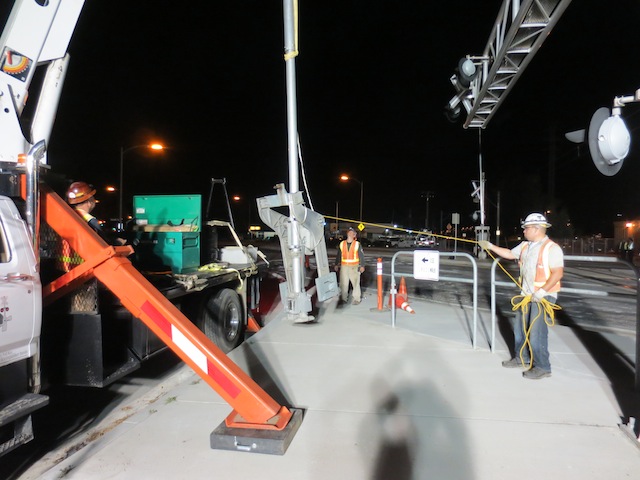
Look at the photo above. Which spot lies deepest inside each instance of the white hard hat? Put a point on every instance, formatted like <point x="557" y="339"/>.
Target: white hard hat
<point x="536" y="219"/>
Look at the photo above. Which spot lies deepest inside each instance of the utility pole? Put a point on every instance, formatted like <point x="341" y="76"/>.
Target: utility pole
<point x="498" y="220"/>
<point x="482" y="231"/>
<point x="427" y="196"/>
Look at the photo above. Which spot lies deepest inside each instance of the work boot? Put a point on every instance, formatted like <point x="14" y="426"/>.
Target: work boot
<point x="356" y="302"/>
<point x="536" y="374"/>
<point x="514" y="363"/>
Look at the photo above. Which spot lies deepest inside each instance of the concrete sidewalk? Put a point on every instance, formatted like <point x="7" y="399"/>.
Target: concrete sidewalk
<point x="411" y="402"/>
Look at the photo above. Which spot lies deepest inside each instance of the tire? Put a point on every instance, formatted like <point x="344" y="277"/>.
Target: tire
<point x="221" y="319"/>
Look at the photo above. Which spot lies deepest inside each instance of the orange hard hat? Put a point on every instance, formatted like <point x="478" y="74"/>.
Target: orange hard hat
<point x="79" y="192"/>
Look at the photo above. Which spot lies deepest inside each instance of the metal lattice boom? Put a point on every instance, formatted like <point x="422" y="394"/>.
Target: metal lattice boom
<point x="518" y="34"/>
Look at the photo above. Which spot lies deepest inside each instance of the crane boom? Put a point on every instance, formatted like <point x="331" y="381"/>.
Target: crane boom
<point x="34" y="35"/>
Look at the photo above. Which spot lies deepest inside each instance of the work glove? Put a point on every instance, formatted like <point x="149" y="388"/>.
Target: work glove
<point x="485" y="244"/>
<point x="538" y="295"/>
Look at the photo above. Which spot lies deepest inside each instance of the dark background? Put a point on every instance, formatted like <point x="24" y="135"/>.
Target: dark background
<point x="208" y="81"/>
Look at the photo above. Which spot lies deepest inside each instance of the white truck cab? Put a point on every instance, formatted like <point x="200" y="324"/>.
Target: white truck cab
<point x="20" y="288"/>
<point x="20" y="327"/>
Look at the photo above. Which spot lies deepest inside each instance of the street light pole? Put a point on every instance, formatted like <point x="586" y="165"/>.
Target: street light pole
<point x="123" y="151"/>
<point x="361" y="197"/>
<point x="427" y="196"/>
<point x="346" y="178"/>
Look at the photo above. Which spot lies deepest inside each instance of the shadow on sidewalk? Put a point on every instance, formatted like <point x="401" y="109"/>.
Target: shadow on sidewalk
<point x="619" y="368"/>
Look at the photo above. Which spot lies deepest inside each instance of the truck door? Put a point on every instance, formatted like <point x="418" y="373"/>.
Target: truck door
<point x="20" y="288"/>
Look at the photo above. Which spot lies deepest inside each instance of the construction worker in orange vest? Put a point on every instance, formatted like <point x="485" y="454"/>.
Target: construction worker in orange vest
<point x="350" y="262"/>
<point x="541" y="268"/>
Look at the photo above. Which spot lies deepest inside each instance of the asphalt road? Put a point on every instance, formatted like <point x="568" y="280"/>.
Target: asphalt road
<point x="597" y="295"/>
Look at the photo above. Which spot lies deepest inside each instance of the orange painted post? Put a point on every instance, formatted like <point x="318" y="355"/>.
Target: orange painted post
<point x="253" y="407"/>
<point x="381" y="307"/>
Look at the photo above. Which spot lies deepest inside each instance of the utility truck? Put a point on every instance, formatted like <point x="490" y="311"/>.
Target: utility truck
<point x="76" y="310"/>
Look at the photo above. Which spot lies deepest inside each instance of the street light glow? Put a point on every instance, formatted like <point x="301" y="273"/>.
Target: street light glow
<point x="345" y="178"/>
<point x="123" y="152"/>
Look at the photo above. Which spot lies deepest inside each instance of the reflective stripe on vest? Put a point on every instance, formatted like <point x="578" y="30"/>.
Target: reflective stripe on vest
<point x="86" y="216"/>
<point x="543" y="272"/>
<point x="350" y="256"/>
<point x="68" y="258"/>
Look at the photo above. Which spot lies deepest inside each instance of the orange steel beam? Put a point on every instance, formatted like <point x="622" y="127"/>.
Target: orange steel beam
<point x="80" y="274"/>
<point x="253" y="407"/>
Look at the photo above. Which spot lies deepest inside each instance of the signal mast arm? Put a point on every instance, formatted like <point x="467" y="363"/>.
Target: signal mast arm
<point x="518" y="33"/>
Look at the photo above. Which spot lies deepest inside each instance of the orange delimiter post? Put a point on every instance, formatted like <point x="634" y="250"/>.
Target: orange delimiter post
<point x="108" y="264"/>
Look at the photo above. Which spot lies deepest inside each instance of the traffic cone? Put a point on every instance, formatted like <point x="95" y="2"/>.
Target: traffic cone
<point x="404" y="305"/>
<point x="402" y="291"/>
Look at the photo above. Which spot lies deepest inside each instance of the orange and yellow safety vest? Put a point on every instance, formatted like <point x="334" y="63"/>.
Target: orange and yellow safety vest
<point x="350" y="253"/>
<point x="543" y="272"/>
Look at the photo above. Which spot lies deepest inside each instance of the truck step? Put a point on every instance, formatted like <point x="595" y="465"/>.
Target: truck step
<point x="15" y="421"/>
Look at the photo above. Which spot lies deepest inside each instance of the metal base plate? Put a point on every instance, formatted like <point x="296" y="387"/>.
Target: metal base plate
<point x="273" y="442"/>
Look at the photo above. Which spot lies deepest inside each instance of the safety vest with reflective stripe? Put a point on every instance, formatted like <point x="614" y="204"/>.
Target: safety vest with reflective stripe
<point x="86" y="216"/>
<point x="349" y="254"/>
<point x="543" y="272"/>
<point x="67" y="258"/>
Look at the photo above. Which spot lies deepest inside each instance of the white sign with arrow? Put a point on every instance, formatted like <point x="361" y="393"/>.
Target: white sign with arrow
<point x="426" y="265"/>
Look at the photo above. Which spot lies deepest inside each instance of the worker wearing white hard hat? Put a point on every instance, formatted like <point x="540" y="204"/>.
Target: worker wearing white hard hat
<point x="541" y="267"/>
<point x="536" y="219"/>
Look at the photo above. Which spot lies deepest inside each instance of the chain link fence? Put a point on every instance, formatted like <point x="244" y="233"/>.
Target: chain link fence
<point x="60" y="258"/>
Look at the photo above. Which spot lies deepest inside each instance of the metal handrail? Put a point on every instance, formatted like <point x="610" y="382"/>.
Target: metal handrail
<point x="474" y="281"/>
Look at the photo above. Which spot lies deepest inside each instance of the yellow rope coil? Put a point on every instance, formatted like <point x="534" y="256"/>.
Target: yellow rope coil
<point x="547" y="309"/>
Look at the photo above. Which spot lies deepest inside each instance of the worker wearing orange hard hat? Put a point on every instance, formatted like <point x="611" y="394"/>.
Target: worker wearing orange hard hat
<point x="81" y="196"/>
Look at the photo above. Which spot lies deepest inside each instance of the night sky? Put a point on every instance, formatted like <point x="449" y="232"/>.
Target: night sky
<point x="208" y="80"/>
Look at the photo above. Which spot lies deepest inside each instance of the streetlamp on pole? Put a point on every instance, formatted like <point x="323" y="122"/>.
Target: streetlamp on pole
<point x="123" y="151"/>
<point x="346" y="178"/>
<point x="240" y="200"/>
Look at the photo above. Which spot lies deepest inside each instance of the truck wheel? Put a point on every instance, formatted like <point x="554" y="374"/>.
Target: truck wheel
<point x="221" y="319"/>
